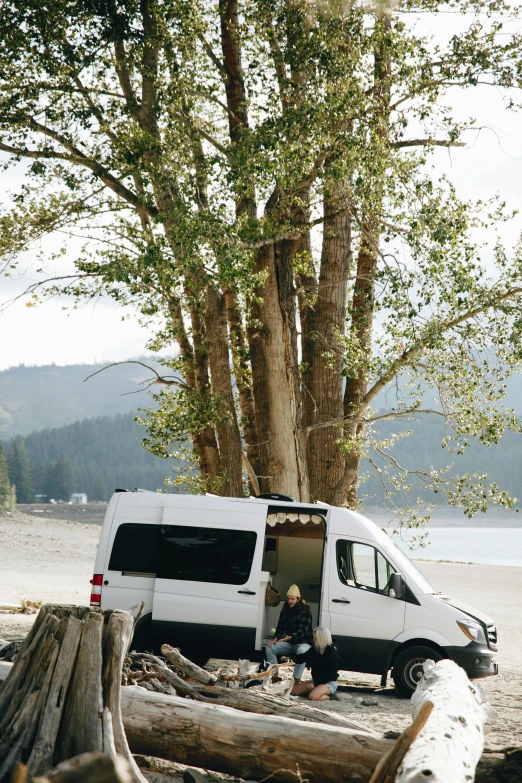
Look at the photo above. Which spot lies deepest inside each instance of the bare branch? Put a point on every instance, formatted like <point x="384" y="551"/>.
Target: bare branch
<point x="160" y="379"/>
<point x="34" y="286"/>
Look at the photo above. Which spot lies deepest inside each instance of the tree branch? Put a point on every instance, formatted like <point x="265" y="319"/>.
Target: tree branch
<point x="412" y="353"/>
<point x="77" y="157"/>
<point x="160" y="379"/>
<point x="209" y="51"/>
<point x="426" y="143"/>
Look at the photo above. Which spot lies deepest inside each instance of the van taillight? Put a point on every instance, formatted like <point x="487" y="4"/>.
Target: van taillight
<point x="96" y="589"/>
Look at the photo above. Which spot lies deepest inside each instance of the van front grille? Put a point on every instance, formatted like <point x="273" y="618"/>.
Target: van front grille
<point x="492" y="636"/>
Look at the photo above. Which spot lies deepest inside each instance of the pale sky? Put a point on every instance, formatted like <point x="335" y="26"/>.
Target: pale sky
<point x="491" y="163"/>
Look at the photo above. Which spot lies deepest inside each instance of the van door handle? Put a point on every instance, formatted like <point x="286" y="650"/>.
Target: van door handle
<point x="340" y="601"/>
<point x="246" y="592"/>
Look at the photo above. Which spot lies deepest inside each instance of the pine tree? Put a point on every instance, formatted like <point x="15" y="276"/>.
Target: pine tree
<point x="60" y="481"/>
<point x="20" y="472"/>
<point x="99" y="489"/>
<point x="5" y="484"/>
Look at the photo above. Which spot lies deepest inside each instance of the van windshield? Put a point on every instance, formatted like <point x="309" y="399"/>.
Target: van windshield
<point x="403" y="561"/>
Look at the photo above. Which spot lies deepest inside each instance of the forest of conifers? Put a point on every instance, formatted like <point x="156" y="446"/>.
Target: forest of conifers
<point x="97" y="455"/>
<point x="92" y="456"/>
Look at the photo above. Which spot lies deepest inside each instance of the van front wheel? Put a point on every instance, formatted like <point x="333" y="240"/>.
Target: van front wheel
<point x="407" y="669"/>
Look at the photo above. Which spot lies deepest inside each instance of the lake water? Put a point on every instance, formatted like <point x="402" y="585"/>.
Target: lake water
<point x="490" y="545"/>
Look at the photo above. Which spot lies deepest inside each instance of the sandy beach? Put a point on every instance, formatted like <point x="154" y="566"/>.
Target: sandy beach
<point x="52" y="560"/>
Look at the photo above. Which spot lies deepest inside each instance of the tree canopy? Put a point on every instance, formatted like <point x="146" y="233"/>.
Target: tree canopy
<point x="256" y="177"/>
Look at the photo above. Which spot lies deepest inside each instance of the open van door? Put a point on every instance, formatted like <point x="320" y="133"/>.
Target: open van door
<point x="208" y="578"/>
<point x="364" y="618"/>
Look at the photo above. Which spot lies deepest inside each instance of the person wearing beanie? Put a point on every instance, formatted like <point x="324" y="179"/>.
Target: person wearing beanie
<point x="293" y="634"/>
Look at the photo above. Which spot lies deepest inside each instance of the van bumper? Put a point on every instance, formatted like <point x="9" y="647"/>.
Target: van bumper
<point x="476" y="659"/>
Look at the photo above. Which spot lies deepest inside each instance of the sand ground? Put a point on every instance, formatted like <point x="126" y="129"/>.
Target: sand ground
<point x="52" y="560"/>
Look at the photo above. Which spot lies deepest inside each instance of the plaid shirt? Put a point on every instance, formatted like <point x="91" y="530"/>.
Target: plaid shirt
<point x="296" y="624"/>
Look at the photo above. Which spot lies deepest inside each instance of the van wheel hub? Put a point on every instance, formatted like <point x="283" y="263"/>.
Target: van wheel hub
<point x="414" y="671"/>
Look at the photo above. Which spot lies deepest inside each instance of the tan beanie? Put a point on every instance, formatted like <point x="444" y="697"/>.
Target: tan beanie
<point x="294" y="591"/>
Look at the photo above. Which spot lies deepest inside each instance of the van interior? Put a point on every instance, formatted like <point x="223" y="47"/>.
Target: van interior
<point x="293" y="554"/>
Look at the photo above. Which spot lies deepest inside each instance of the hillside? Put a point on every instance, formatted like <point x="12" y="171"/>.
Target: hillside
<point x="36" y="398"/>
<point x="105" y="449"/>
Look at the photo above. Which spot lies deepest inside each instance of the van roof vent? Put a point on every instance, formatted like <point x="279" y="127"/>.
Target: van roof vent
<point x="275" y="496"/>
<point x="118" y="489"/>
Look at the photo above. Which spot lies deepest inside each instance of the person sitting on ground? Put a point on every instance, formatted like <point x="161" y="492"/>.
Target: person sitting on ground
<point x="293" y="634"/>
<point x="324" y="661"/>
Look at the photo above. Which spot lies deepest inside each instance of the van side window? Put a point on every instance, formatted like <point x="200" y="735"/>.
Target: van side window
<point x="363" y="560"/>
<point x="135" y="549"/>
<point x="204" y="554"/>
<point x="361" y="565"/>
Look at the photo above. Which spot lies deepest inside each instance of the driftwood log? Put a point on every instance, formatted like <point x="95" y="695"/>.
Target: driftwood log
<point x="386" y="769"/>
<point x="451" y="743"/>
<point x="173" y="655"/>
<point x="253" y="700"/>
<point x="250" y="746"/>
<point x="62" y="695"/>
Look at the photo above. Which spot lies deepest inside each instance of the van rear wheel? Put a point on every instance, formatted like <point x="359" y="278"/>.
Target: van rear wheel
<point x="408" y="670"/>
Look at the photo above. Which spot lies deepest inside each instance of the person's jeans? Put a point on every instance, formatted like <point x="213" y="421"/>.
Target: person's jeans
<point x="285" y="648"/>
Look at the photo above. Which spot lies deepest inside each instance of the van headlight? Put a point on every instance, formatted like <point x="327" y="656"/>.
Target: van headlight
<point x="473" y="630"/>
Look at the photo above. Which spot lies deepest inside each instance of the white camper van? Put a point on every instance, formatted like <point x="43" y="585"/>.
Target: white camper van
<point x="202" y="565"/>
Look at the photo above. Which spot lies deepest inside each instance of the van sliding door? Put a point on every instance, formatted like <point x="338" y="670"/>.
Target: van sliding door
<point x="208" y="576"/>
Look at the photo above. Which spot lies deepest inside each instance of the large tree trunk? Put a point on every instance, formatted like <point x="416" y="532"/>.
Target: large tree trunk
<point x="324" y="397"/>
<point x="62" y="695"/>
<point x="244" y="382"/>
<point x="363" y="301"/>
<point x="238" y="743"/>
<point x="286" y="468"/>
<point x="362" y="311"/>
<point x="229" y="438"/>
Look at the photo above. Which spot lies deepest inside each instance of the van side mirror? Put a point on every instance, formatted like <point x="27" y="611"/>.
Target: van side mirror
<point x="397" y="586"/>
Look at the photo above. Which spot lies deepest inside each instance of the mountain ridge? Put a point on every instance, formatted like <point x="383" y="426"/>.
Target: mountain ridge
<point x="38" y="397"/>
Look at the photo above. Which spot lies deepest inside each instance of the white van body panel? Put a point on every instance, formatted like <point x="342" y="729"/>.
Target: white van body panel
<point x="103" y="543"/>
<point x="210" y="603"/>
<point x="124" y="591"/>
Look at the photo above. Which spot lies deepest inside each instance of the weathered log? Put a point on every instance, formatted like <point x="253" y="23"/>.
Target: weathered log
<point x="62" y="695"/>
<point x="181" y="687"/>
<point x="173" y="655"/>
<point x="386" y="769"/>
<point x="253" y="700"/>
<point x="244" y="744"/>
<point x="451" y="743"/>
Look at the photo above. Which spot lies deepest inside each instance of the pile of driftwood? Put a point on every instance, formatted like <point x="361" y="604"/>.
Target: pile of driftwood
<point x="62" y="708"/>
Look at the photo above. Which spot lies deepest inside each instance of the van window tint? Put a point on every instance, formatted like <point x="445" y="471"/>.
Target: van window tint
<point x="135" y="548"/>
<point x="203" y="554"/>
